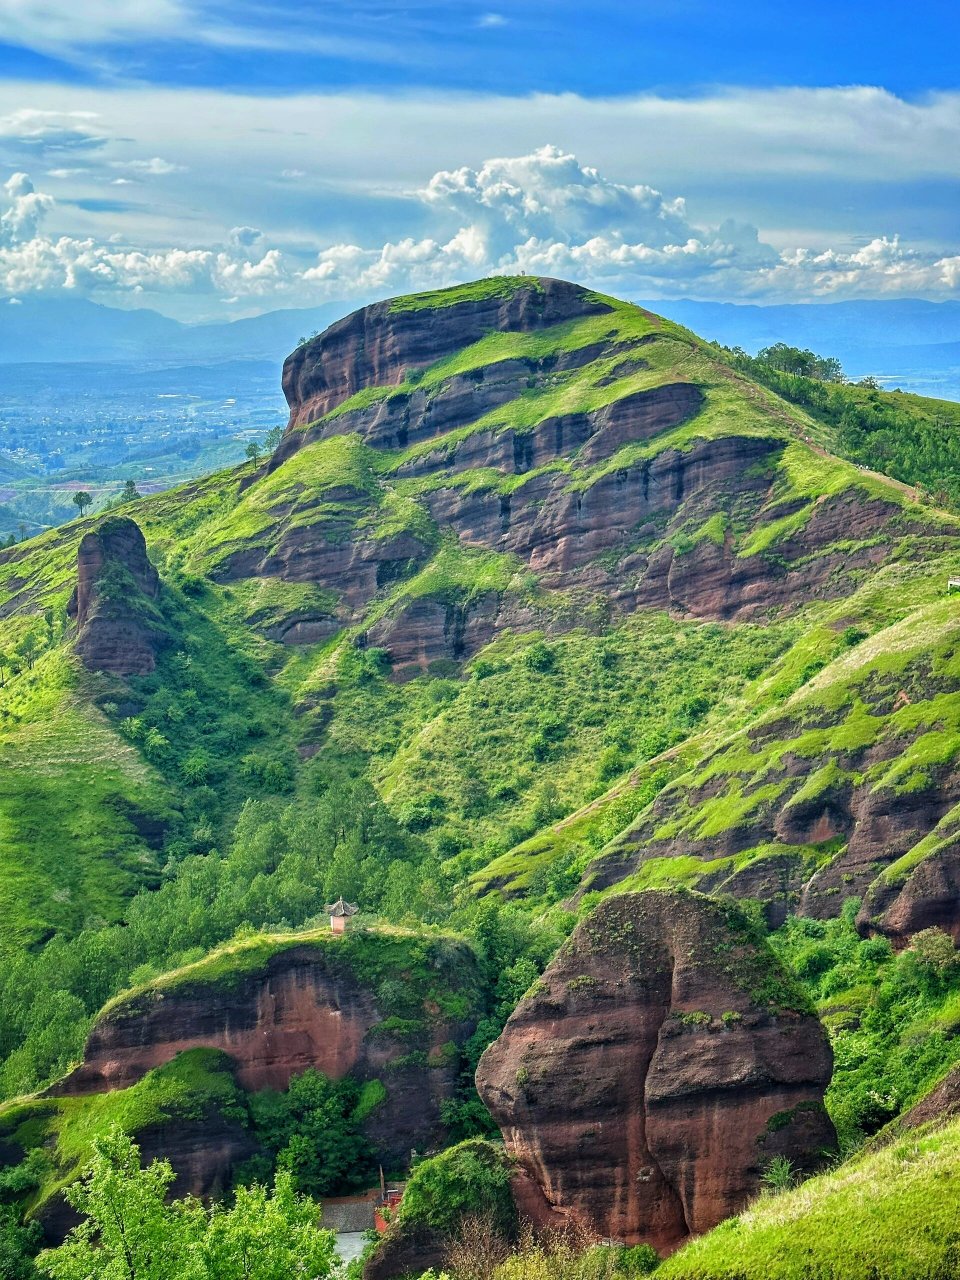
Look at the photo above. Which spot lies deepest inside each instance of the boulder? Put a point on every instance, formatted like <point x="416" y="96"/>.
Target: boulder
<point x="650" y="1076"/>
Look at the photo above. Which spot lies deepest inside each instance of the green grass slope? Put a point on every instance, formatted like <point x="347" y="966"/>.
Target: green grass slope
<point x="75" y="798"/>
<point x="518" y="770"/>
<point x="872" y="728"/>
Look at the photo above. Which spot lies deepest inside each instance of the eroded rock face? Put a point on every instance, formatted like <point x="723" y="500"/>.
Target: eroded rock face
<point x="938" y="1106"/>
<point x="377" y="346"/>
<point x="114" y="602"/>
<point x="927" y="896"/>
<point x="657" y="1067"/>
<point x="302" y="1008"/>
<point x="871" y="828"/>
<point x="567" y="513"/>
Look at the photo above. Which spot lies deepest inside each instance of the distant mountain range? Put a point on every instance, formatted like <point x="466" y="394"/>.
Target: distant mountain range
<point x="60" y="330"/>
<point x="905" y="342"/>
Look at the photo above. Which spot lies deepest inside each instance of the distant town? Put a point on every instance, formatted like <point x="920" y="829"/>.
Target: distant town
<point x="93" y="427"/>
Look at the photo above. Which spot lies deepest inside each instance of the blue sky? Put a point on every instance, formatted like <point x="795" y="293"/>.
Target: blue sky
<point x="608" y="47"/>
<point x="213" y="159"/>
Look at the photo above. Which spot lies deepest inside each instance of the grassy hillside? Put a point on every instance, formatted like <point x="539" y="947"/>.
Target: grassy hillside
<point x="479" y="678"/>
<point x="876" y="723"/>
<point x="913" y="438"/>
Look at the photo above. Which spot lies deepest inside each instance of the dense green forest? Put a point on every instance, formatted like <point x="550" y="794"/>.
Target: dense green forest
<point x="911" y="438"/>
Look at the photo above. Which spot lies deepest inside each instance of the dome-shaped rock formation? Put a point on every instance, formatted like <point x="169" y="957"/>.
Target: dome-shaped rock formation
<point x="381" y="344"/>
<point x="654" y="1071"/>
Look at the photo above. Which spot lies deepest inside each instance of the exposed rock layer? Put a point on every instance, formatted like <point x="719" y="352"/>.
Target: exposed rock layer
<point x="653" y="1072"/>
<point x="941" y="1104"/>
<point x="300" y="1009"/>
<point x="118" y="625"/>
<point x="379" y="345"/>
<point x="611" y="535"/>
<point x="926" y="896"/>
<point x="816" y="845"/>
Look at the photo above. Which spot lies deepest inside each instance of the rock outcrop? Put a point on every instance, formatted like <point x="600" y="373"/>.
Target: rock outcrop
<point x="302" y="1006"/>
<point x="938" y="1106"/>
<point x="114" y="604"/>
<point x="926" y="896"/>
<point x="544" y="491"/>
<point x="834" y="794"/>
<point x="660" y="1063"/>
<point x="381" y="345"/>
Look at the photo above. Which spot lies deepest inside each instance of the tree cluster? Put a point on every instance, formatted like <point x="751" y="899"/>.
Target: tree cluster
<point x="130" y="1232"/>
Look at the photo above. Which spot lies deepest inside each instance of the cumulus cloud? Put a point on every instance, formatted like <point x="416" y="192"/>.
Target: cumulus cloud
<point x="21" y="219"/>
<point x="546" y="214"/>
<point x="884" y="266"/>
<point x="33" y="262"/>
<point x="543" y="213"/>
<point x="549" y="193"/>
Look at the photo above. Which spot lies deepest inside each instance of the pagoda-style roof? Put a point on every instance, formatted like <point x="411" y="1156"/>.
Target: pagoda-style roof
<point x="341" y="908"/>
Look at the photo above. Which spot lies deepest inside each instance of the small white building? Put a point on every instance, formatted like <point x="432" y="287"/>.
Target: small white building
<point x="340" y="912"/>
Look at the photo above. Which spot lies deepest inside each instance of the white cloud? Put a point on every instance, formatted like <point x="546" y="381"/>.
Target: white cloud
<point x="35" y="129"/>
<point x="489" y="20"/>
<point x="546" y="214"/>
<point x="549" y="193"/>
<point x="22" y="218"/>
<point x="541" y="212"/>
<point x="74" y="28"/>
<point x="32" y="262"/>
<point x="57" y="24"/>
<point x="884" y="266"/>
<point x="155" y="167"/>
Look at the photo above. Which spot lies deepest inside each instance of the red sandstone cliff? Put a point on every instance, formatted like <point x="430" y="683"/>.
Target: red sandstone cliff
<point x="927" y="895"/>
<point x="646" y="1080"/>
<point x="612" y="537"/>
<point x="379" y="345"/>
<point x="114" y="603"/>
<point x="302" y="1007"/>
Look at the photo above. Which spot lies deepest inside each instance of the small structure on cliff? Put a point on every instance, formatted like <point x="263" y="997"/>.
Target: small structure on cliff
<point x="340" y="912"/>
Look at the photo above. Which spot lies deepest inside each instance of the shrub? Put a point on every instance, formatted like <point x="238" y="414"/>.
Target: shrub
<point x="540" y="657"/>
<point x="469" y="1180"/>
<point x="778" y="1175"/>
<point x="934" y="950"/>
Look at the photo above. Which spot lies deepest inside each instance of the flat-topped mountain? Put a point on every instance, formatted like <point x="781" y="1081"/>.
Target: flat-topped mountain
<point x="525" y="458"/>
